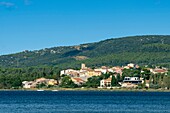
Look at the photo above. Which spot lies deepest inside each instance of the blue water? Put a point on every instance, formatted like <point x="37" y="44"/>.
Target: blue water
<point x="84" y="102"/>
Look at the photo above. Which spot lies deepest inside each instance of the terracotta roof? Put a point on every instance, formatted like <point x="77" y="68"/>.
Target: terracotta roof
<point x="160" y="70"/>
<point x="78" y="79"/>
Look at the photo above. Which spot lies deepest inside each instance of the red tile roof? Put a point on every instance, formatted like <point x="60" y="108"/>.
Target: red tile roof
<point x="160" y="70"/>
<point x="78" y="79"/>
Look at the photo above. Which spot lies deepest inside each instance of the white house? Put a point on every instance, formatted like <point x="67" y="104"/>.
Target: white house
<point x="28" y="84"/>
<point x="131" y="82"/>
<point x="105" y="83"/>
<point x="131" y="65"/>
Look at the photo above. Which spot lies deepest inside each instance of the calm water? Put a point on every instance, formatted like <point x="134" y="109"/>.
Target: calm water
<point x="84" y="102"/>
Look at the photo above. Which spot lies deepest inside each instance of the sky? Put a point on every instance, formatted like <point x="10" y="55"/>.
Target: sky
<point x="38" y="24"/>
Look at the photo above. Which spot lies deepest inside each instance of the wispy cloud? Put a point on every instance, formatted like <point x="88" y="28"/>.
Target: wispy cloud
<point x="7" y="4"/>
<point x="12" y="5"/>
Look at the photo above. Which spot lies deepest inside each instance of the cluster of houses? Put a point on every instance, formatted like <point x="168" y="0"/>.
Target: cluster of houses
<point x="128" y="82"/>
<point x="39" y="81"/>
<point x="81" y="76"/>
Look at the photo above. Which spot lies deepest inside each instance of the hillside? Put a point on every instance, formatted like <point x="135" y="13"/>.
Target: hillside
<point x="117" y="51"/>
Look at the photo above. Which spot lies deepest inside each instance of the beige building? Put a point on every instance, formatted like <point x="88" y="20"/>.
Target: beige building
<point x="33" y="84"/>
<point x="105" y="83"/>
<point x="158" y="70"/>
<point x="78" y="81"/>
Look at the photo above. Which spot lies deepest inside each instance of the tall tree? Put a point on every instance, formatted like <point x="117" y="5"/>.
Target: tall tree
<point x="114" y="81"/>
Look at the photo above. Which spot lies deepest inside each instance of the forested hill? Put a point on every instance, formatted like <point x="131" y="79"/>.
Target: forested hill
<point x="117" y="51"/>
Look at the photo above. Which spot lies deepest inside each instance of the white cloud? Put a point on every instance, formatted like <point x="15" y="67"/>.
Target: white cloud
<point x="7" y="4"/>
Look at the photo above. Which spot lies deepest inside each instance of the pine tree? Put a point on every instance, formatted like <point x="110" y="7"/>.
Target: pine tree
<point x="118" y="78"/>
<point x="114" y="81"/>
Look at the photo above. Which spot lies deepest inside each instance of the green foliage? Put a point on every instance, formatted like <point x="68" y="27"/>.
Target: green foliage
<point x="114" y="81"/>
<point x="10" y="81"/>
<point x="141" y="50"/>
<point x="154" y="86"/>
<point x="159" y="81"/>
<point x="66" y="82"/>
<point x="42" y="85"/>
<point x="13" y="77"/>
<point x="168" y="73"/>
<point x="166" y="81"/>
<point x="105" y="76"/>
<point x="140" y="86"/>
<point x="93" y="82"/>
<point x="131" y="72"/>
<point x="119" y="79"/>
<point x="146" y="74"/>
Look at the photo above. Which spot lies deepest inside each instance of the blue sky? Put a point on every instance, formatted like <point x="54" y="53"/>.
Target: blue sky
<point x="38" y="24"/>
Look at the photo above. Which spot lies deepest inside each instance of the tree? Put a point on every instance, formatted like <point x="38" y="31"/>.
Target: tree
<point x="66" y="82"/>
<point x="105" y="76"/>
<point x="93" y="82"/>
<point x="41" y="85"/>
<point x="118" y="78"/>
<point x="114" y="81"/>
<point x="166" y="81"/>
<point x="146" y="74"/>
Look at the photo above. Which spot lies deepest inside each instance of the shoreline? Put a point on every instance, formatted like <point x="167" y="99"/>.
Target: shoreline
<point x="88" y="89"/>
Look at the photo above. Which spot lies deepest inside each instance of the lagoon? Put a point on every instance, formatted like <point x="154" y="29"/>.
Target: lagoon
<point x="84" y="102"/>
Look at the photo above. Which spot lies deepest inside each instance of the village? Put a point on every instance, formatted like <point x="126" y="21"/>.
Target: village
<point x="107" y="75"/>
